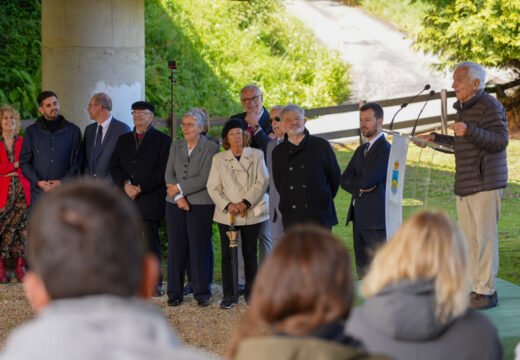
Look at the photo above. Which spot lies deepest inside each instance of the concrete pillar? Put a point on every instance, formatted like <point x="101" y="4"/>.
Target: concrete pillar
<point x="91" y="46"/>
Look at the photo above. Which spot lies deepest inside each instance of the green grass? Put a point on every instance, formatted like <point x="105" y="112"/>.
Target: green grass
<point x="406" y="15"/>
<point x="220" y="46"/>
<point x="440" y="196"/>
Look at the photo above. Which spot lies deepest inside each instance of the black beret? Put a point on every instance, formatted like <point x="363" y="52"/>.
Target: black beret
<point x="143" y="105"/>
<point x="232" y="124"/>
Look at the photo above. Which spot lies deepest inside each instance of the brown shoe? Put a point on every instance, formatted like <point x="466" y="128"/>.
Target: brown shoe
<point x="483" y="302"/>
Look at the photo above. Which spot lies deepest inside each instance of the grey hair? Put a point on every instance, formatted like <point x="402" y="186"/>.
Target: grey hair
<point x="277" y="107"/>
<point x="289" y="108"/>
<point x="104" y="100"/>
<point x="475" y="71"/>
<point x="252" y="87"/>
<point x="198" y="115"/>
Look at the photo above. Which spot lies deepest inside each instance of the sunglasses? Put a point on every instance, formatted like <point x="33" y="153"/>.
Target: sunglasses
<point x="276" y="118"/>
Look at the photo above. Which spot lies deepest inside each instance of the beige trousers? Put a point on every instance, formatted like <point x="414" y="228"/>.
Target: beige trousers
<point x="478" y="218"/>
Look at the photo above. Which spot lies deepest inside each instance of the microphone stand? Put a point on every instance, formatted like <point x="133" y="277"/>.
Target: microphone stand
<point x="420" y="112"/>
<point x="426" y="87"/>
<point x="173" y="66"/>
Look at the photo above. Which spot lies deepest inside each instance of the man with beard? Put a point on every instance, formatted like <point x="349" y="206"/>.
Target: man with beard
<point x="52" y="148"/>
<point x="365" y="179"/>
<point x="306" y="174"/>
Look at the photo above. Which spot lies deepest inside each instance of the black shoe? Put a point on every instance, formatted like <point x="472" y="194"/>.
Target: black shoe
<point x="174" y="302"/>
<point x="241" y="289"/>
<point x="227" y="304"/>
<point x="203" y="301"/>
<point x="483" y="302"/>
<point x="187" y="289"/>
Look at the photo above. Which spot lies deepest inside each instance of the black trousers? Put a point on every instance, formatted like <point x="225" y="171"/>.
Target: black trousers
<point x="366" y="243"/>
<point x="189" y="237"/>
<point x="249" y="236"/>
<point x="153" y="240"/>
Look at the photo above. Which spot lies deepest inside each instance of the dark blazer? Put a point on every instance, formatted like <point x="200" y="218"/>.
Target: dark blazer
<point x="115" y="129"/>
<point x="261" y="138"/>
<point x="364" y="173"/>
<point x="50" y="156"/>
<point x="321" y="175"/>
<point x="144" y="166"/>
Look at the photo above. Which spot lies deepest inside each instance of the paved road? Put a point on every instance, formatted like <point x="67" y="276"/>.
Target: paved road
<point x="383" y="64"/>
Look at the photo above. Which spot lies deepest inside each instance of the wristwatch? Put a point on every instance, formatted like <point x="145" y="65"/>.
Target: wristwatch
<point x="257" y="127"/>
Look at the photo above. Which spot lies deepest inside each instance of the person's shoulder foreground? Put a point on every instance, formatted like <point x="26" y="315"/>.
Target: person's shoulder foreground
<point x="97" y="327"/>
<point x="299" y="348"/>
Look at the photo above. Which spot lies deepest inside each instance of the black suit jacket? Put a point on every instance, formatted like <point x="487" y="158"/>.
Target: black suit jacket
<point x="114" y="131"/>
<point x="261" y="138"/>
<point x="144" y="166"/>
<point x="363" y="173"/>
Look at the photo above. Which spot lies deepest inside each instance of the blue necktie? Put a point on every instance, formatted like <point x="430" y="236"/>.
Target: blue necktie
<point x="96" y="149"/>
<point x="365" y="150"/>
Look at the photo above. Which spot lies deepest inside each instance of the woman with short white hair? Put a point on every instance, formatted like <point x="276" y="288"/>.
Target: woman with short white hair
<point x="417" y="297"/>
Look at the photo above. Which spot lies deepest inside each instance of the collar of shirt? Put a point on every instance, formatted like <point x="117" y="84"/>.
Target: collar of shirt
<point x="374" y="140"/>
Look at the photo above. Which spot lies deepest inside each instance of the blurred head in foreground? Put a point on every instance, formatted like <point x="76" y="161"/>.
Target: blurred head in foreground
<point x="84" y="240"/>
<point x="429" y="245"/>
<point x="305" y="283"/>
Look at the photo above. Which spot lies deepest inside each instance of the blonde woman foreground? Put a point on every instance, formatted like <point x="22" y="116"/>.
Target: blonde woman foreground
<point x="417" y="297"/>
<point x="305" y="320"/>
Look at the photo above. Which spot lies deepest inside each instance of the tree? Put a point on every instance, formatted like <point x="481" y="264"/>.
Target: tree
<point x="483" y="31"/>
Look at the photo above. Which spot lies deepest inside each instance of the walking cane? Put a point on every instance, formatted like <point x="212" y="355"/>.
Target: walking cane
<point x="232" y="234"/>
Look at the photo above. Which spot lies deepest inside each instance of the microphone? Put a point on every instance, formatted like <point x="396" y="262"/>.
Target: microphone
<point x="420" y="112"/>
<point x="426" y="87"/>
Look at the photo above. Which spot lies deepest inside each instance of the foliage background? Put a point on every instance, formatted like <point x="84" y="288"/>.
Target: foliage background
<point x="219" y="46"/>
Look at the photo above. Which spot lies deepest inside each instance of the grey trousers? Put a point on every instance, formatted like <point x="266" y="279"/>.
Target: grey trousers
<point x="478" y="218"/>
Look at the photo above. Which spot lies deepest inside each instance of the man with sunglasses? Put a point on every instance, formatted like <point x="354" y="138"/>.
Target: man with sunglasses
<point x="138" y="165"/>
<point x="275" y="216"/>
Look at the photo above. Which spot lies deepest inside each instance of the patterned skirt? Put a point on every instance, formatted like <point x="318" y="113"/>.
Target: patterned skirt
<point x="13" y="219"/>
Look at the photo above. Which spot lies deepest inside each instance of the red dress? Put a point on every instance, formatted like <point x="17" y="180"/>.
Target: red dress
<point x="14" y="202"/>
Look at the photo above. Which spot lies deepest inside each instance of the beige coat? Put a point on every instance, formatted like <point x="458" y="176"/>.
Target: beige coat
<point x="231" y="180"/>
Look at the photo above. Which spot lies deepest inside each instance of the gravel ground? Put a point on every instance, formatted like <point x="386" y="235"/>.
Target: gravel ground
<point x="205" y="328"/>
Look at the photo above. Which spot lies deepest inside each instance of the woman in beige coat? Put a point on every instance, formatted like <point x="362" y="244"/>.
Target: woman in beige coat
<point x="237" y="185"/>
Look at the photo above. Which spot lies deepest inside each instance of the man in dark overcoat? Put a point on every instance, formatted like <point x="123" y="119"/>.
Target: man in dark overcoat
<point x="306" y="174"/>
<point x="138" y="166"/>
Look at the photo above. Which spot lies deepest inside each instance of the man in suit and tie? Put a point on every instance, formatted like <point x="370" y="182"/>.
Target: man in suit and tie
<point x="365" y="179"/>
<point x="138" y="165"/>
<point x="275" y="216"/>
<point x="101" y="136"/>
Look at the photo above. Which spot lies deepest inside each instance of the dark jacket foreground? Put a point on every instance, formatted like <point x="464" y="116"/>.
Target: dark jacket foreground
<point x="327" y="343"/>
<point x="317" y="187"/>
<point x="480" y="156"/>
<point x="400" y="321"/>
<point x="50" y="156"/>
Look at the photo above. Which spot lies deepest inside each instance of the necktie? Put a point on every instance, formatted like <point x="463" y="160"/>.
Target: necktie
<point x="366" y="147"/>
<point x="97" y="148"/>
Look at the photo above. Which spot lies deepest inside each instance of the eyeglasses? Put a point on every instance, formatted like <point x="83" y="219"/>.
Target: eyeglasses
<point x="188" y="125"/>
<point x="91" y="105"/>
<point x="141" y="113"/>
<point x="276" y="118"/>
<point x="253" y="99"/>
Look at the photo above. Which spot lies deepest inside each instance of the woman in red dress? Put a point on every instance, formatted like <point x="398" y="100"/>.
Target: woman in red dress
<point x="14" y="194"/>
